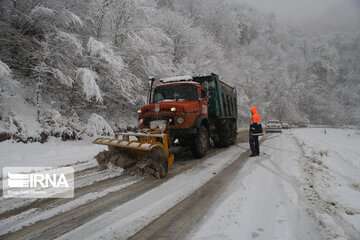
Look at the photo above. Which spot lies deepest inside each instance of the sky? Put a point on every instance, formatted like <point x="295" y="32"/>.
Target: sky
<point x="324" y="15"/>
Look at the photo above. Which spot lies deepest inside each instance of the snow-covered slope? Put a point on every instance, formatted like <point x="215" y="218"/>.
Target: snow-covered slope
<point x="96" y="56"/>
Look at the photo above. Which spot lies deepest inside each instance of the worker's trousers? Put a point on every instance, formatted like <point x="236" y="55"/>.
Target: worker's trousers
<point x="254" y="145"/>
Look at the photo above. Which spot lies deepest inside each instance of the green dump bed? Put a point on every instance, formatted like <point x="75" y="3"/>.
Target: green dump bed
<point x="222" y="97"/>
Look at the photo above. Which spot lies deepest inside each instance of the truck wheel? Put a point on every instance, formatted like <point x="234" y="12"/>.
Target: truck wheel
<point x="200" y="145"/>
<point x="226" y="134"/>
<point x="233" y="133"/>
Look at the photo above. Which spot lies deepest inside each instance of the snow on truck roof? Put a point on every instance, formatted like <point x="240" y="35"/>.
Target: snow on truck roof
<point x="177" y="78"/>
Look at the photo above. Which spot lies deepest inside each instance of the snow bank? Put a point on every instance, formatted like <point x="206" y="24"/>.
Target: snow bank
<point x="54" y="153"/>
<point x="5" y="71"/>
<point x="332" y="169"/>
<point x="89" y="85"/>
<point x="98" y="126"/>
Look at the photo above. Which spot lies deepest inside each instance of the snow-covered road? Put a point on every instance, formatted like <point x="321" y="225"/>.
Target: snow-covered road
<point x="305" y="185"/>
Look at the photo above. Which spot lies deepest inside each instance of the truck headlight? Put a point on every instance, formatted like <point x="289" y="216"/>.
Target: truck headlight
<point x="139" y="111"/>
<point x="141" y="121"/>
<point x="173" y="109"/>
<point x="180" y="120"/>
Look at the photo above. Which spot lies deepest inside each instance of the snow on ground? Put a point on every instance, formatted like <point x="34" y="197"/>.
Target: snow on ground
<point x="264" y="201"/>
<point x="305" y="186"/>
<point x="97" y="176"/>
<point x="333" y="169"/>
<point x="55" y="153"/>
<point x="125" y="220"/>
<point x="52" y="154"/>
<point x="34" y="215"/>
<point x="7" y="204"/>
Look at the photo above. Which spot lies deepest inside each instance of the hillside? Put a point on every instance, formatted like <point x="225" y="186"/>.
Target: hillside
<point x="75" y="68"/>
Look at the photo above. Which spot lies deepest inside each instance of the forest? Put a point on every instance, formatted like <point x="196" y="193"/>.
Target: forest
<point x="75" y="67"/>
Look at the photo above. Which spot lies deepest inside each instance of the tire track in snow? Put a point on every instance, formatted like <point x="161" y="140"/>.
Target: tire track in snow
<point x="59" y="224"/>
<point x="34" y="215"/>
<point x="86" y="181"/>
<point x="179" y="220"/>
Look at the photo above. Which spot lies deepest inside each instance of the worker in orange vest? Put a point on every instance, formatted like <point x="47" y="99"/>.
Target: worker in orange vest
<point x="254" y="132"/>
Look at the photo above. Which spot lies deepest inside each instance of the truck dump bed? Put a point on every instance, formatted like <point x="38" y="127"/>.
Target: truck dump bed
<point x="222" y="97"/>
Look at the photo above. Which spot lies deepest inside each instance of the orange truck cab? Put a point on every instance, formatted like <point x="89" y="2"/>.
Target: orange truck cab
<point x="194" y="109"/>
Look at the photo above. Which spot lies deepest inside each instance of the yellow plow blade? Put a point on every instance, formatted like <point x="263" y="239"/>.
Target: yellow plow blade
<point x="146" y="151"/>
<point x="133" y="145"/>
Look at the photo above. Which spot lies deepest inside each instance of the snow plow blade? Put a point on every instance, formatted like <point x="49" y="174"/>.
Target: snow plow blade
<point x="138" y="153"/>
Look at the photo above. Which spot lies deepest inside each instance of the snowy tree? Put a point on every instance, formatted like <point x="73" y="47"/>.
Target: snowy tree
<point x="4" y="71"/>
<point x="122" y="16"/>
<point x="81" y="57"/>
<point x="99" y="9"/>
<point x="87" y="79"/>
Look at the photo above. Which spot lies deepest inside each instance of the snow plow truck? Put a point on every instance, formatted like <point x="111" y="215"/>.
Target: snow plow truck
<point x="183" y="110"/>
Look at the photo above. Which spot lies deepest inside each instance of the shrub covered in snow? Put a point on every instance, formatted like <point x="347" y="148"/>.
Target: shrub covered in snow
<point x="98" y="126"/>
<point x="22" y="130"/>
<point x="41" y="20"/>
<point x="57" y="125"/>
<point x="41" y="12"/>
<point x="5" y="71"/>
<point x="90" y="88"/>
<point x="62" y="78"/>
<point x="47" y="17"/>
<point x="68" y="42"/>
<point x="70" y="20"/>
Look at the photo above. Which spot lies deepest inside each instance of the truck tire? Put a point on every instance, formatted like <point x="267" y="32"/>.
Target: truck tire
<point x="226" y="134"/>
<point x="200" y="145"/>
<point x="233" y="134"/>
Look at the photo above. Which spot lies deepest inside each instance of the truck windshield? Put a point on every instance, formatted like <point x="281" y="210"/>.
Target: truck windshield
<point x="175" y="92"/>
